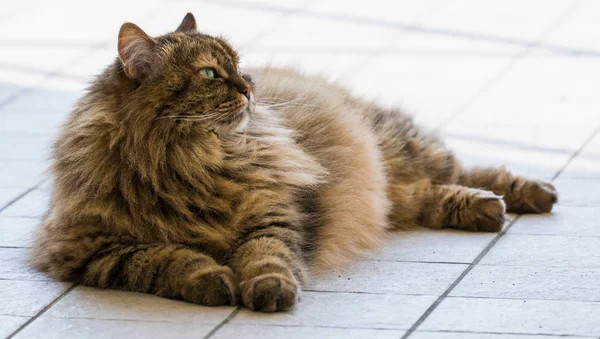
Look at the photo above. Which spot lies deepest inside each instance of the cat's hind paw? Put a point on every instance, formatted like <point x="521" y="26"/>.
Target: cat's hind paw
<point x="535" y="197"/>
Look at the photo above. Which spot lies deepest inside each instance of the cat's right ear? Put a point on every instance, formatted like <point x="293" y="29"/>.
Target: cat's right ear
<point x="136" y="52"/>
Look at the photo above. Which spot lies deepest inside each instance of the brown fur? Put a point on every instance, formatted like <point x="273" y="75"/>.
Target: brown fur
<point x="218" y="190"/>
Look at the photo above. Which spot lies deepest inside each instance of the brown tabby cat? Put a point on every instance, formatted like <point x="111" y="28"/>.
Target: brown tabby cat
<point x="178" y="175"/>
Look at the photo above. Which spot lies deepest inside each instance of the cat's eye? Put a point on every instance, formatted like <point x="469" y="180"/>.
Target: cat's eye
<point x="208" y="72"/>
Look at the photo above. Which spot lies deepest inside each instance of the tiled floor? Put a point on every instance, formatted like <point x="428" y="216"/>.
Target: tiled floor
<point x="512" y="82"/>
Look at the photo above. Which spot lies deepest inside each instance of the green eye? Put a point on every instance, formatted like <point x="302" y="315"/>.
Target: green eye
<point x="208" y="72"/>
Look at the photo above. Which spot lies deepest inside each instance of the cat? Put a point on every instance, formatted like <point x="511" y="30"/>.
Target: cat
<point x="177" y="174"/>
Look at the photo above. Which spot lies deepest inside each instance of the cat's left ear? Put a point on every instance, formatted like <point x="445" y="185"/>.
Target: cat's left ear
<point x="188" y="24"/>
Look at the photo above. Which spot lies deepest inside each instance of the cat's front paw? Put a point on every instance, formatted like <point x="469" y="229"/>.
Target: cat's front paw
<point x="486" y="213"/>
<point x="213" y="286"/>
<point x="270" y="292"/>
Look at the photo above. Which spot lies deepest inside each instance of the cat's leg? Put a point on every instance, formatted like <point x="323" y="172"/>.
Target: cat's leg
<point x="172" y="271"/>
<point x="270" y="267"/>
<point x="521" y="195"/>
<point x="446" y="206"/>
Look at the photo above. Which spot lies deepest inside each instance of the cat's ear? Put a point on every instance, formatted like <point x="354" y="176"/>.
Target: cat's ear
<point x="136" y="51"/>
<point x="188" y="24"/>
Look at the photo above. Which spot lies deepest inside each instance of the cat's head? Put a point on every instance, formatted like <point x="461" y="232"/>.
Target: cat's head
<point x="185" y="77"/>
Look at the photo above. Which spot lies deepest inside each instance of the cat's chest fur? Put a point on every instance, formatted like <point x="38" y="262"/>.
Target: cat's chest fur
<point x="257" y="171"/>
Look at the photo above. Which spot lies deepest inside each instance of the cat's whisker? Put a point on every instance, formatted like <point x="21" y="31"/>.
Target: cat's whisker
<point x="206" y="116"/>
<point x="289" y="103"/>
<point x="284" y="105"/>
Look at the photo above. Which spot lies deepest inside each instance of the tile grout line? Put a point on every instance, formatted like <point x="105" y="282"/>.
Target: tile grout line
<point x="57" y="299"/>
<point x="59" y="70"/>
<point x="417" y="21"/>
<point x="512" y="62"/>
<point x="257" y="37"/>
<point x="223" y="323"/>
<point x="20" y="196"/>
<point x="238" y="309"/>
<point x="557" y="23"/>
<point x="577" y="152"/>
<point x="455" y="283"/>
<point x="446" y="293"/>
<point x="483" y="90"/>
<point x="267" y="30"/>
<point x="47" y="75"/>
<point x="509" y="333"/>
<point x="87" y="52"/>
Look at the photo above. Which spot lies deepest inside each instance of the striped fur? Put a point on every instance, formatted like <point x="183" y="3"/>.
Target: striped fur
<point x="230" y="190"/>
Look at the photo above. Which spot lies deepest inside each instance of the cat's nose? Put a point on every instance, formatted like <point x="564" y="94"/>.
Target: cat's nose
<point x="242" y="87"/>
<point x="245" y="90"/>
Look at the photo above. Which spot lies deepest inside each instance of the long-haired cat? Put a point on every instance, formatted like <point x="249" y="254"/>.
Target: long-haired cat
<point x="181" y="175"/>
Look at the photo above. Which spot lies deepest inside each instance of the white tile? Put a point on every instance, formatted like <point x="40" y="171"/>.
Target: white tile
<point x="87" y="302"/>
<point x="516" y="316"/>
<point x="486" y="20"/>
<point x="390" y="277"/>
<point x="426" y="40"/>
<point x="547" y="283"/>
<point x="21" y="174"/>
<point x="270" y="4"/>
<point x="424" y="84"/>
<point x="565" y="220"/>
<point x="394" y="15"/>
<point x="479" y="151"/>
<point x="41" y="124"/>
<point x="9" y="324"/>
<point x="9" y="194"/>
<point x="586" y="165"/>
<point x="65" y="28"/>
<point x="60" y="328"/>
<point x="42" y="101"/>
<point x="329" y="65"/>
<point x="22" y="55"/>
<point x="542" y="250"/>
<point x="563" y="95"/>
<point x="41" y="111"/>
<point x="30" y="146"/>
<point x="33" y="204"/>
<point x="27" y="298"/>
<point x="559" y="140"/>
<point x="472" y="335"/>
<point x="312" y="33"/>
<point x="345" y="310"/>
<point x="14" y="265"/>
<point x="448" y="246"/>
<point x="92" y="64"/>
<point x="17" y="232"/>
<point x="242" y="26"/>
<point x="578" y="192"/>
<point x="576" y="36"/>
<point x="9" y="90"/>
<point x="295" y="332"/>
<point x="10" y="9"/>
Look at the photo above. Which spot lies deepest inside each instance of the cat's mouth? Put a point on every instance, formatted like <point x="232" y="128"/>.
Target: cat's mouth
<point x="245" y="114"/>
<point x="241" y="117"/>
